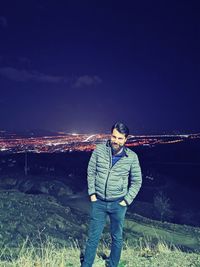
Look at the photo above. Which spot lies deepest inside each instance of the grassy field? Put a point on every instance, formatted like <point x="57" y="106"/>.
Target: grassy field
<point x="49" y="255"/>
<point x="138" y="227"/>
<point x="185" y="237"/>
<point x="31" y="219"/>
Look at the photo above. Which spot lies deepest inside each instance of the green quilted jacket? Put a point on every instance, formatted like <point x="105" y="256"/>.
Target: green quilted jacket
<point x="122" y="180"/>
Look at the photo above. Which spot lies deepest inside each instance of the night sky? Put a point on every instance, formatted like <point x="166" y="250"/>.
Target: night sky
<point x="79" y="66"/>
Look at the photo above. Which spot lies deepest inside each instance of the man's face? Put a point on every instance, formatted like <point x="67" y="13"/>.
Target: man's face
<point x="117" y="140"/>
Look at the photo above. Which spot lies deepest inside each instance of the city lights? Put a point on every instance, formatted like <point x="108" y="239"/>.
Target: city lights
<point x="78" y="142"/>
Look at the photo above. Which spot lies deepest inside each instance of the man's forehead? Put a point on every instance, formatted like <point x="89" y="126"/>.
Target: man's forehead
<point x="116" y="133"/>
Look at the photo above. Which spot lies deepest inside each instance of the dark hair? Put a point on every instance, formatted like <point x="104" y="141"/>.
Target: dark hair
<point x="121" y="127"/>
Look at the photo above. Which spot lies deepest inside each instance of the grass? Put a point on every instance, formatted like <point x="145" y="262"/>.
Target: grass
<point x="147" y="243"/>
<point x="48" y="254"/>
<point x="183" y="236"/>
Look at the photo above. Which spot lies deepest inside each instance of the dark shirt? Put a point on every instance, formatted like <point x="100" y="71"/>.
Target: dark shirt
<point x="117" y="157"/>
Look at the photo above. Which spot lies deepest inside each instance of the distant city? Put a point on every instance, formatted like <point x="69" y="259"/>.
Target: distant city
<point x="67" y="142"/>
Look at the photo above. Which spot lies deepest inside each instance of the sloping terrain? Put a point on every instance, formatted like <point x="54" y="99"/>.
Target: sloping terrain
<point x="137" y="228"/>
<point x="36" y="217"/>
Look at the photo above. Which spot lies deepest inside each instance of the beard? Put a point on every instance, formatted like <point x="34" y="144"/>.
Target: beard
<point x="115" y="147"/>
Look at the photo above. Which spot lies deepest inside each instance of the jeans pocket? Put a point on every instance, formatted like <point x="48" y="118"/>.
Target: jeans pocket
<point x="122" y="205"/>
<point x="94" y="201"/>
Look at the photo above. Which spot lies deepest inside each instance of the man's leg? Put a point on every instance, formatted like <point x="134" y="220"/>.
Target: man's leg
<point x="97" y="222"/>
<point x="117" y="215"/>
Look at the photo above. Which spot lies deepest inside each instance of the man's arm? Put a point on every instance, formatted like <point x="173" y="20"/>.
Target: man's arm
<point x="91" y="175"/>
<point x="135" y="181"/>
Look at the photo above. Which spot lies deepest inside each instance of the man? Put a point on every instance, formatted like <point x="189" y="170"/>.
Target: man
<point x="114" y="179"/>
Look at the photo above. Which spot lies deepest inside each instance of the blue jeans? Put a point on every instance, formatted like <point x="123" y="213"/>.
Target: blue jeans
<point x="99" y="211"/>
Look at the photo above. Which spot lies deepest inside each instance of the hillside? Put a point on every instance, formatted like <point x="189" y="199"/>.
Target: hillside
<point x="138" y="228"/>
<point x="37" y="217"/>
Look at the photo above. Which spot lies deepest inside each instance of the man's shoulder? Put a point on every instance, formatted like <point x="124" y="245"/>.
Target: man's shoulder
<point x="130" y="153"/>
<point x="101" y="147"/>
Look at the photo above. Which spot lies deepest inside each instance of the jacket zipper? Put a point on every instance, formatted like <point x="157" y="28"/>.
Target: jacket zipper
<point x="110" y="167"/>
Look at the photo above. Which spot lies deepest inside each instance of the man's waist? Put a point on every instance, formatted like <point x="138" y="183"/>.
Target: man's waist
<point x="110" y="199"/>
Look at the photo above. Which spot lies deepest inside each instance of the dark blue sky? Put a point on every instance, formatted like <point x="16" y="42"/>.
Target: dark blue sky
<point x="79" y="66"/>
